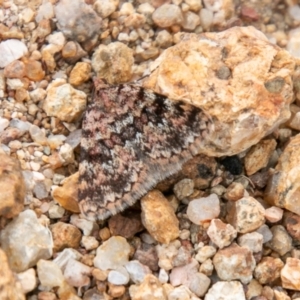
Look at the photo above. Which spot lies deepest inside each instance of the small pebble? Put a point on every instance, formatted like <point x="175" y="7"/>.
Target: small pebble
<point x="203" y="209"/>
<point x="167" y="15"/>
<point x="183" y="188"/>
<point x="112" y="254"/>
<point x="204" y="253"/>
<point x="118" y="276"/>
<point x="273" y="214"/>
<point x="281" y="241"/>
<point x="56" y="212"/>
<point x="89" y="243"/>
<point x="76" y="273"/>
<point x="137" y="271"/>
<point x="253" y="241"/>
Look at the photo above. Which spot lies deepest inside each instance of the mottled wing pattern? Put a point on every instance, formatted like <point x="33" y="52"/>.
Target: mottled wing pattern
<point x="132" y="139"/>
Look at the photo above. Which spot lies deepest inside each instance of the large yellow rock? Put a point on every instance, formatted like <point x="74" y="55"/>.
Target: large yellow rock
<point x="241" y="80"/>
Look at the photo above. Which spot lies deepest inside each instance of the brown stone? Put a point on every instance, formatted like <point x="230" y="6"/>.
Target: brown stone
<point x="10" y="134"/>
<point x="246" y="105"/>
<point x="15" y="69"/>
<point x="67" y="195"/>
<point x="22" y="95"/>
<point x="104" y="234"/>
<point x="49" y="60"/>
<point x="116" y="291"/>
<point x="12" y="187"/>
<point x="3" y="28"/>
<point x="249" y="13"/>
<point x="147" y="255"/>
<point x="113" y="62"/>
<point x="201" y="169"/>
<point x="259" y="156"/>
<point x="268" y="270"/>
<point x="292" y="225"/>
<point x="260" y="179"/>
<point x="72" y="52"/>
<point x="65" y="236"/>
<point x="10" y="289"/>
<point x="126" y="226"/>
<point x="12" y="34"/>
<point x="159" y="218"/>
<point x="246" y="215"/>
<point x="34" y="70"/>
<point x="235" y="191"/>
<point x="283" y="189"/>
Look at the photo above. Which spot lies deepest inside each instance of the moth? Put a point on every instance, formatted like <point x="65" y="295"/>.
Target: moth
<point x="132" y="139"/>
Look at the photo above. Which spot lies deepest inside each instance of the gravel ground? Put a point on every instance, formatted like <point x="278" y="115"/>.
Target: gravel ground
<point x="221" y="228"/>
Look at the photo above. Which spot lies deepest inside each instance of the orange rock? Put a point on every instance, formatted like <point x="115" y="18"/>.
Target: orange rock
<point x="65" y="236"/>
<point x="12" y="34"/>
<point x="49" y="60"/>
<point x="159" y="218"/>
<point x="80" y="73"/>
<point x="15" y="69"/>
<point x="72" y="52"/>
<point x="22" y="95"/>
<point x="67" y="195"/>
<point x="34" y="70"/>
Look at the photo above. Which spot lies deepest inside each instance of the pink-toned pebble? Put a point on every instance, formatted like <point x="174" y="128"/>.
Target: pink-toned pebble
<point x="273" y="214"/>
